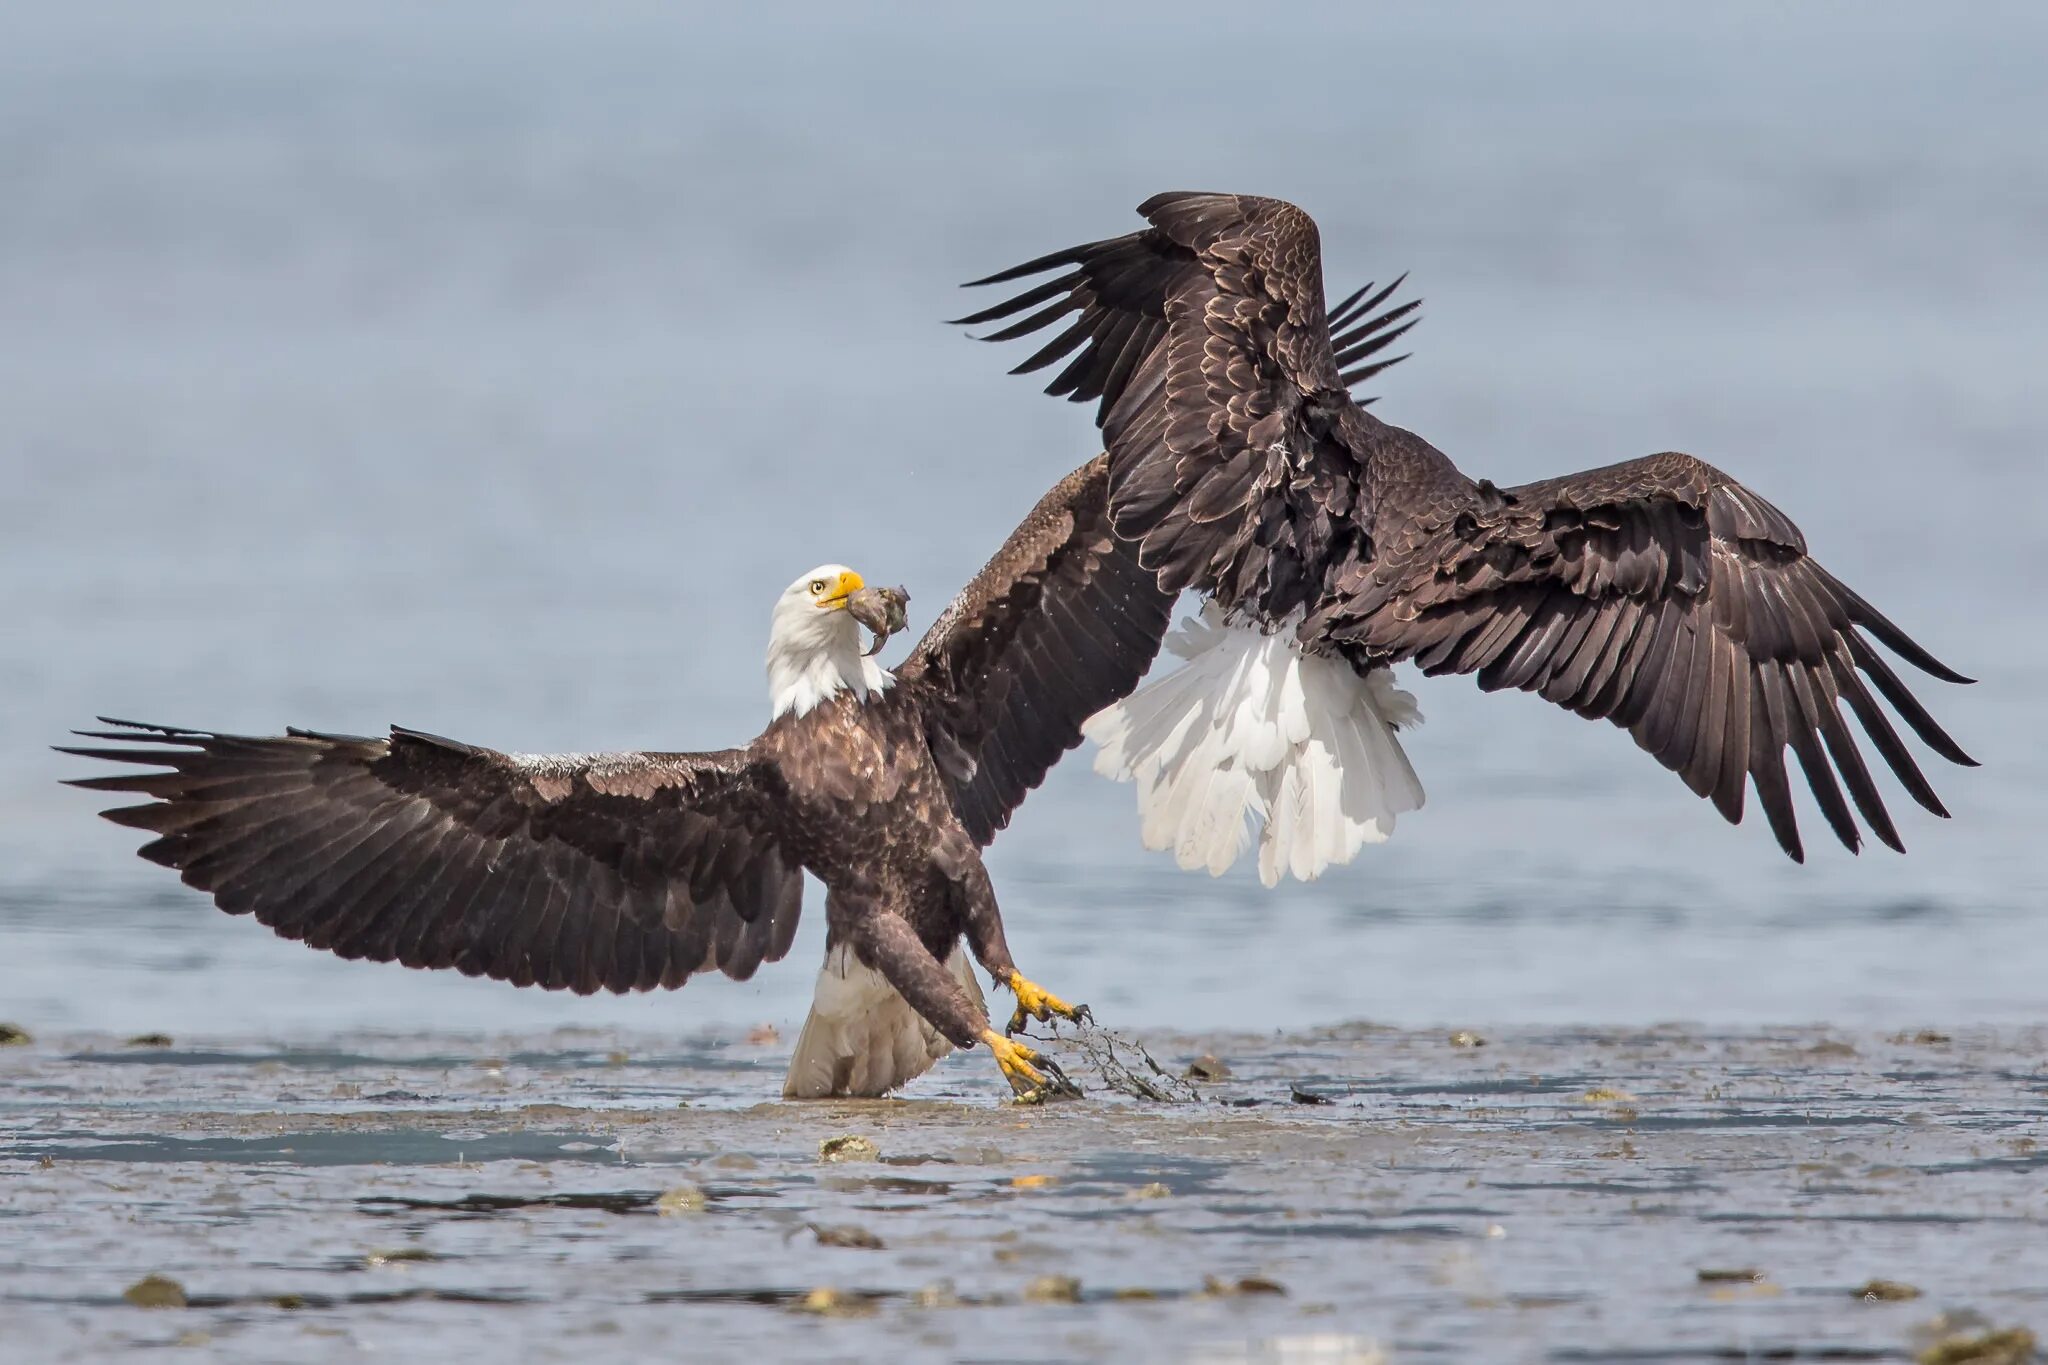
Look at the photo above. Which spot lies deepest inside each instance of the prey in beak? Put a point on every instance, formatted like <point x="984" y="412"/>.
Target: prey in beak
<point x="881" y="610"/>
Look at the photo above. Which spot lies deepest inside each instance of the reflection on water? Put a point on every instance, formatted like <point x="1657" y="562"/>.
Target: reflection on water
<point x="487" y="372"/>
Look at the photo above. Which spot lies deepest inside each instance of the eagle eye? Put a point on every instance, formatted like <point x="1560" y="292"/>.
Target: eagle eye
<point x="817" y="586"/>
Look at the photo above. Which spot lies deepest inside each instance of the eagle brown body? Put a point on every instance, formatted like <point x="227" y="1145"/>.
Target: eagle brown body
<point x="872" y="817"/>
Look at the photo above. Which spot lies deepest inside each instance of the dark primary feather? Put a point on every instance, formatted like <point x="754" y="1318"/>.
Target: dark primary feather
<point x="1059" y="624"/>
<point x="1659" y="594"/>
<point x="613" y="872"/>
<point x="1666" y="598"/>
<point x="1116" y="292"/>
<point x="1356" y="337"/>
<point x="1208" y="345"/>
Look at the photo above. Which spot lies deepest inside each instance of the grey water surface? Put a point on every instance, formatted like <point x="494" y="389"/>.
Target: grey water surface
<point x="1563" y="1194"/>
<point x="488" y="369"/>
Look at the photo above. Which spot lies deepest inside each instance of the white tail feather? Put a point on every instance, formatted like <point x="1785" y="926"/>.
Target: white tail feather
<point x="861" y="1037"/>
<point x="1250" y="733"/>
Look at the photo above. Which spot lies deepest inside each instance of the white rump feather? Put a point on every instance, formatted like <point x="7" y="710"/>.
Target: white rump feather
<point x="861" y="1037"/>
<point x="1249" y="734"/>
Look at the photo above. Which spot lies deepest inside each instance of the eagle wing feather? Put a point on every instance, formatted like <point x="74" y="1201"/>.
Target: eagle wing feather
<point x="1060" y="623"/>
<point x="1206" y="340"/>
<point x="616" y="872"/>
<point x="1665" y="597"/>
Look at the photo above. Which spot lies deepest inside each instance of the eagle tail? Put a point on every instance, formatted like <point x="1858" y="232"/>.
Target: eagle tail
<point x="1249" y="736"/>
<point x="862" y="1038"/>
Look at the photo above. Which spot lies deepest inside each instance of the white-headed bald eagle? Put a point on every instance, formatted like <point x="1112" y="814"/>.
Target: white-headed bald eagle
<point x="1660" y="594"/>
<point x="629" y="871"/>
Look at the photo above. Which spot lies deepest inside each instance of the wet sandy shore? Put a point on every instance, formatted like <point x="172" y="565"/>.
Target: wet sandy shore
<point x="1347" y="1194"/>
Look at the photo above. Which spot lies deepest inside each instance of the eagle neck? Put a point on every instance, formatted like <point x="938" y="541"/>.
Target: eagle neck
<point x="803" y="675"/>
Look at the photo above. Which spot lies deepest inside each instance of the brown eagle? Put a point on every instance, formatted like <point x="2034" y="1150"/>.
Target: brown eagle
<point x="628" y="871"/>
<point x="1660" y="594"/>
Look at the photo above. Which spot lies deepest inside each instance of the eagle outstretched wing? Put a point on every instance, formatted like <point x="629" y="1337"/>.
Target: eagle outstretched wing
<point x="584" y="872"/>
<point x="1663" y="596"/>
<point x="1060" y="623"/>
<point x="1206" y="339"/>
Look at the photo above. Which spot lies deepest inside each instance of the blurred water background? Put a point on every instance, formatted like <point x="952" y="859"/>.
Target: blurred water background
<point x="488" y="368"/>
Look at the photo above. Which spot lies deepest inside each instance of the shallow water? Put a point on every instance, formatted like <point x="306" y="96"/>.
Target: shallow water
<point x="1550" y="1194"/>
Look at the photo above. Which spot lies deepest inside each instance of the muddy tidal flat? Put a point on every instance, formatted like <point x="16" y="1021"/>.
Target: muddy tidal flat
<point x="1344" y="1194"/>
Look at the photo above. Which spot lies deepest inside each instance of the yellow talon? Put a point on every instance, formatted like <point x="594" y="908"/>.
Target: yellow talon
<point x="1015" y="1059"/>
<point x="1036" y="1002"/>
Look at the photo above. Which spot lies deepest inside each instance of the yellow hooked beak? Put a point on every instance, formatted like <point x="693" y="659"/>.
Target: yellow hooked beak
<point x="841" y="588"/>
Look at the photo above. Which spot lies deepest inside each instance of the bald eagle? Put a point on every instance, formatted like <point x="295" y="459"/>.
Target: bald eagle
<point x="1660" y="594"/>
<point x="628" y="871"/>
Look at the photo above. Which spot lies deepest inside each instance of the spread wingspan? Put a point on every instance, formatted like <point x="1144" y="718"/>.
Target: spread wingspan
<point x="618" y="872"/>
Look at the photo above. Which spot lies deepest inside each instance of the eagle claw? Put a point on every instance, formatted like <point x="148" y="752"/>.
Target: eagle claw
<point x="1034" y="1077"/>
<point x="1036" y="1002"/>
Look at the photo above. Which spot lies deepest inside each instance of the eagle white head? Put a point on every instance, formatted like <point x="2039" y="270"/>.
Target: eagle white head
<point x="814" y="643"/>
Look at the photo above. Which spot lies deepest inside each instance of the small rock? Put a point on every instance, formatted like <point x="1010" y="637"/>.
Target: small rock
<point x="150" y="1040"/>
<point x="2011" y="1346"/>
<point x="1154" y="1190"/>
<point x="1607" y="1094"/>
<point x="1300" y="1096"/>
<point x="1207" y="1067"/>
<point x="846" y="1235"/>
<point x="683" y="1199"/>
<point x="1031" y="1182"/>
<point x="1831" y="1047"/>
<point x="938" y="1294"/>
<point x="1467" y="1038"/>
<point x="398" y="1255"/>
<point x="834" y="1303"/>
<point x="1215" y="1288"/>
<point x="1745" y="1275"/>
<point x="850" y="1147"/>
<point x="14" y="1035"/>
<point x="616" y="1057"/>
<point x="1925" y="1037"/>
<point x="1887" y="1291"/>
<point x="1053" y="1289"/>
<point x="155" y="1291"/>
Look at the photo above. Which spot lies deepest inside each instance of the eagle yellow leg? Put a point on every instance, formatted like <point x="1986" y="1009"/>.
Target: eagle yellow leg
<point x="1036" y="1002"/>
